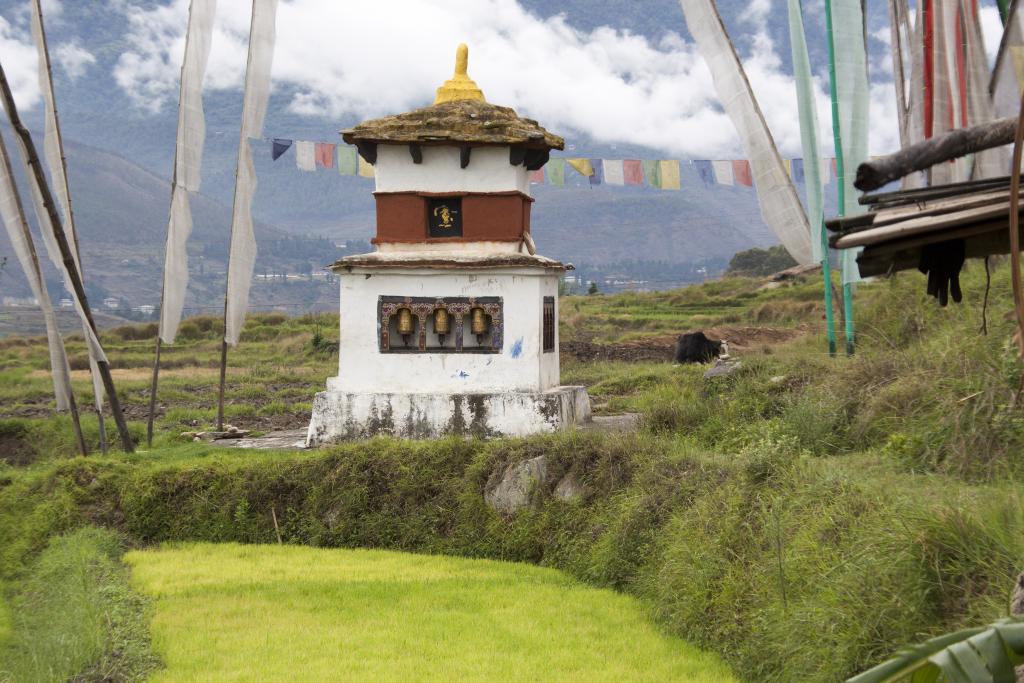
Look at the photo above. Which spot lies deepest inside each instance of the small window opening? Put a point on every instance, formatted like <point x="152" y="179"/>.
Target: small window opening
<point x="549" y="323"/>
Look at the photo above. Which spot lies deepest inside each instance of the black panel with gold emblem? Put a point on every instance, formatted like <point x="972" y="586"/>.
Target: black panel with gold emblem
<point x="444" y="217"/>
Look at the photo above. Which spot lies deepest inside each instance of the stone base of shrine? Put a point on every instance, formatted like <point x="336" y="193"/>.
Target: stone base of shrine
<point x="339" y="415"/>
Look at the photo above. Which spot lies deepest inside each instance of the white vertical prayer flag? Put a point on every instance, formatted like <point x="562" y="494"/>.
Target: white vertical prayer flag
<point x="188" y="153"/>
<point x="807" y="111"/>
<point x="13" y="216"/>
<point x="613" y="172"/>
<point x="780" y="205"/>
<point x="49" y="232"/>
<point x="723" y="172"/>
<point x="305" y="155"/>
<point x="53" y="153"/>
<point x="851" y="88"/>
<point x="242" y="256"/>
<point x="188" y="157"/>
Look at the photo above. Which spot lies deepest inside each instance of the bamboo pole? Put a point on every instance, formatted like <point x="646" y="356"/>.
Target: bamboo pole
<point x="45" y="52"/>
<point x="1015" y="279"/>
<point x="223" y="376"/>
<point x="840" y="175"/>
<point x="72" y="404"/>
<point x="826" y="272"/>
<point x="32" y="159"/>
<point x="874" y="173"/>
<point x="152" y="390"/>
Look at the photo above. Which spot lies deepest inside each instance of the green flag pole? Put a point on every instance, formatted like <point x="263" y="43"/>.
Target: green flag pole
<point x="840" y="174"/>
<point x="1004" y="9"/>
<point x="826" y="272"/>
<point x="809" y="142"/>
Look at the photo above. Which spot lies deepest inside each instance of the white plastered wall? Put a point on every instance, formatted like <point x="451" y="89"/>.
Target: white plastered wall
<point x="440" y="171"/>
<point x="521" y="365"/>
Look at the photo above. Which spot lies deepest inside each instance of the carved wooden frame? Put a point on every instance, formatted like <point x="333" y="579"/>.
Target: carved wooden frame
<point x="423" y="308"/>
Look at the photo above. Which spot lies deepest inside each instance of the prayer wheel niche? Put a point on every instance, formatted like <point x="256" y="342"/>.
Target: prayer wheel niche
<point x="450" y="325"/>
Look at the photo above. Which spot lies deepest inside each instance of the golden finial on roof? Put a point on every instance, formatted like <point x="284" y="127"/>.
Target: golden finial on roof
<point x="460" y="86"/>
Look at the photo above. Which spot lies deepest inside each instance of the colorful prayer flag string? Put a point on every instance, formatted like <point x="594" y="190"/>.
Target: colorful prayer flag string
<point x="662" y="174"/>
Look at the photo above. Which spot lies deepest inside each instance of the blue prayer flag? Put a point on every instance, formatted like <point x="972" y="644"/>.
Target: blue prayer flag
<point x="797" y="167"/>
<point x="280" y="146"/>
<point x="707" y="174"/>
<point x="598" y="176"/>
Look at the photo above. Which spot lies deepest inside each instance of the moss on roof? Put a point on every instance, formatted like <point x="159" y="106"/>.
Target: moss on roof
<point x="459" y="121"/>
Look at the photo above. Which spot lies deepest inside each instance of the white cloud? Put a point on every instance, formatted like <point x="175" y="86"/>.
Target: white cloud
<point x="52" y="9"/>
<point x="371" y="58"/>
<point x="18" y="56"/>
<point x="73" y="58"/>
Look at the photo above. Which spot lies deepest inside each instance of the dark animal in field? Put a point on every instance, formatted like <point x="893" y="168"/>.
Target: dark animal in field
<point x="695" y="347"/>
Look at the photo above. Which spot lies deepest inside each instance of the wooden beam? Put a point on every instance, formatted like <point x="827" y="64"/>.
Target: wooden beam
<point x="367" y="150"/>
<point x="517" y="155"/>
<point x="901" y="197"/>
<point x="873" y="174"/>
<point x="464" y="153"/>
<point x="65" y="252"/>
<point x="416" y="152"/>
<point x="535" y="158"/>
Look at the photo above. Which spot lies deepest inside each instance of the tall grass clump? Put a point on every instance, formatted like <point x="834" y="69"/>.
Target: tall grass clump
<point x="74" y="617"/>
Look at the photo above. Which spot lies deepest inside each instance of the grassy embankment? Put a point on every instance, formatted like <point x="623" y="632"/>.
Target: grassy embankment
<point x="259" y="613"/>
<point x="804" y="517"/>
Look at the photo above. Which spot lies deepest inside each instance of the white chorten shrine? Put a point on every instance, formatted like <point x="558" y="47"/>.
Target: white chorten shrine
<point x="451" y="325"/>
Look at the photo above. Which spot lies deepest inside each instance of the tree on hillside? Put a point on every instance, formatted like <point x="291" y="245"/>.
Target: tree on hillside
<point x="756" y="261"/>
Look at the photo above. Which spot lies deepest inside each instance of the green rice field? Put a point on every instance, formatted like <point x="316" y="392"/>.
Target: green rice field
<point x="230" y="612"/>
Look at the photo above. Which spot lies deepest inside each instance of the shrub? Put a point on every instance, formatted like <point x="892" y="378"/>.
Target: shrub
<point x="135" y="332"/>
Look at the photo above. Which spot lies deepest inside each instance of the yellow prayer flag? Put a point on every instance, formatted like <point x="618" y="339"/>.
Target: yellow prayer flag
<point x="582" y="165"/>
<point x="365" y="168"/>
<point x="669" y="171"/>
<point x="789" y="167"/>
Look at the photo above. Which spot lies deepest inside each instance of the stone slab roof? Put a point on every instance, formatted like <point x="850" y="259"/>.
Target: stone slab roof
<point x="472" y="122"/>
<point x="444" y="262"/>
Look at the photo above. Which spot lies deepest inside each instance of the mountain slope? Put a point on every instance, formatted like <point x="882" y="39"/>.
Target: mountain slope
<point x="121" y="216"/>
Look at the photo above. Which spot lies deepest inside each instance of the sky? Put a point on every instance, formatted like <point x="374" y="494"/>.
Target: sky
<point x="370" y="58"/>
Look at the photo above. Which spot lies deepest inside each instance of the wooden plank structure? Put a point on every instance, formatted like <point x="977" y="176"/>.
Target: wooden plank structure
<point x="901" y="224"/>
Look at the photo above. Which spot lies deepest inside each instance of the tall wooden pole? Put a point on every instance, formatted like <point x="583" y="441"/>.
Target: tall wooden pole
<point x="152" y="387"/>
<point x="223" y="376"/>
<point x="45" y="52"/>
<point x="65" y="251"/>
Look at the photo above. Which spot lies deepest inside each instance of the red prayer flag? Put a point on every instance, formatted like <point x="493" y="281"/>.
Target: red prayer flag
<point x="741" y="172"/>
<point x="324" y="154"/>
<point x="633" y="171"/>
<point x="537" y="177"/>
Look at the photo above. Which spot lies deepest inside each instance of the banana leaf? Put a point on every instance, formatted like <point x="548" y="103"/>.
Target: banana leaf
<point x="985" y="654"/>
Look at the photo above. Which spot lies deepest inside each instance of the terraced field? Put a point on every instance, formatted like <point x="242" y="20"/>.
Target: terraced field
<point x="256" y="613"/>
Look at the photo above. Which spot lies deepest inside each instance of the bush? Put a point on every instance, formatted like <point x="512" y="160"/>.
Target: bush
<point x="136" y="332"/>
<point x="759" y="262"/>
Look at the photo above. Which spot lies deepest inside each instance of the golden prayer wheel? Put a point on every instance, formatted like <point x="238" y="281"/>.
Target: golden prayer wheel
<point x="405" y="324"/>
<point x="479" y="324"/>
<point x="441" y="324"/>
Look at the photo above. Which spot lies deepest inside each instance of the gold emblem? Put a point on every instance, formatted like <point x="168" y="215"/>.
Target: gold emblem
<point x="445" y="217"/>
